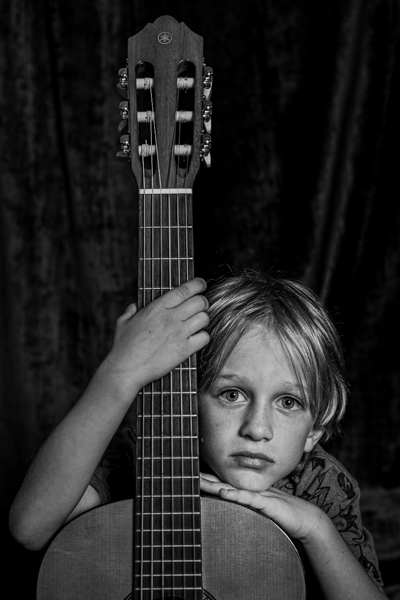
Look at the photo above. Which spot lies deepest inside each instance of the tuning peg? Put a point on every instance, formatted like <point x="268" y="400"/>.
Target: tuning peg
<point x="205" y="149"/>
<point x="122" y="126"/>
<point x="207" y="112"/>
<point x="122" y="86"/>
<point x="124" y="154"/>
<point x="207" y="82"/>
<point x="124" y="110"/>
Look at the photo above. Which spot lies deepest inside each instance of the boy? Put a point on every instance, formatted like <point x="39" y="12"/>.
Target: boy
<point x="270" y="388"/>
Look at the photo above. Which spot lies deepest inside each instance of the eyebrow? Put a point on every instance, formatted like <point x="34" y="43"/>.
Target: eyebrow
<point x="233" y="377"/>
<point x="287" y="385"/>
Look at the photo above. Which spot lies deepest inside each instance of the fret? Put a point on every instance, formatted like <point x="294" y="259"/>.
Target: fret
<point x="168" y="468"/>
<point x="153" y="455"/>
<point x="170" y="578"/>
<point x="167" y="447"/>
<point x="170" y="504"/>
<point x="171" y="522"/>
<point x="165" y="242"/>
<point x="170" y="589"/>
<point x="177" y="560"/>
<point x="146" y="572"/>
<point x="165" y="393"/>
<point x="179" y="384"/>
<point x="168" y="513"/>
<point x="161" y="226"/>
<point x="159" y="552"/>
<point x="166" y="531"/>
<point x="172" y="437"/>
<point x="169" y="426"/>
<point x="173" y="487"/>
<point x="181" y="368"/>
<point x="175" y="573"/>
<point x="167" y="477"/>
<point x="171" y="538"/>
<point x="175" y="588"/>
<point x="154" y="496"/>
<point x="166" y="211"/>
<point x="164" y="274"/>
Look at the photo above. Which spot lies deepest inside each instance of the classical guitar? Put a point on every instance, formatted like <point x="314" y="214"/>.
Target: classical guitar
<point x="169" y="542"/>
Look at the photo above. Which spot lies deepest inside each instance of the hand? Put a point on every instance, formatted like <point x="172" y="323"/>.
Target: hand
<point x="151" y="342"/>
<point x="301" y="520"/>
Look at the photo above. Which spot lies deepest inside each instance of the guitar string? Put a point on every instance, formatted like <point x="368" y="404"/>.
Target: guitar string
<point x="191" y="397"/>
<point x="188" y="403"/>
<point x="188" y="372"/>
<point x="182" y="516"/>
<point x="176" y="370"/>
<point x="152" y="499"/>
<point x="141" y="407"/>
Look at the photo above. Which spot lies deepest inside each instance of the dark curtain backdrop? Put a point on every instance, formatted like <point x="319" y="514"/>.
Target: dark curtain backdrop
<point x="304" y="178"/>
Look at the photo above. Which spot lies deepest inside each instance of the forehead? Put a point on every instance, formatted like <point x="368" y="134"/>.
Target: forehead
<point x="259" y="348"/>
<point x="260" y="354"/>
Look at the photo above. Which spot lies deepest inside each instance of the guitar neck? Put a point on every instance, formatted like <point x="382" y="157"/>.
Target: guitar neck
<point x="167" y="507"/>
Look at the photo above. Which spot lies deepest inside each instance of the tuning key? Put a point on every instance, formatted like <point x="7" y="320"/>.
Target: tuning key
<point x="124" y="110"/>
<point x="207" y="82"/>
<point x="124" y="154"/>
<point x="205" y="149"/>
<point x="122" y="86"/>
<point x="207" y="112"/>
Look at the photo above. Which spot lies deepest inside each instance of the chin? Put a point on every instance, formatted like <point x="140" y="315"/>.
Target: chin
<point x="251" y="481"/>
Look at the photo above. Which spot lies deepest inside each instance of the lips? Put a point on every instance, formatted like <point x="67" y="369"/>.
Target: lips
<point x="252" y="460"/>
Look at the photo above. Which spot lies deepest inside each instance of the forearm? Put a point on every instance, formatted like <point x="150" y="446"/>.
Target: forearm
<point x="338" y="571"/>
<point x="62" y="469"/>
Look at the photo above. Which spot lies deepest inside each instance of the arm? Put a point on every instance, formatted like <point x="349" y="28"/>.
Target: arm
<point x="339" y="573"/>
<point x="147" y="345"/>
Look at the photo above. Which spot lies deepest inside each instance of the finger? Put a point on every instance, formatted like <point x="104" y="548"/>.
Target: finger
<point x="209" y="477"/>
<point x="193" y="306"/>
<point x="198" y="341"/>
<point x="182" y="293"/>
<point x="212" y="486"/>
<point x="252" y="499"/>
<point x="196" y="323"/>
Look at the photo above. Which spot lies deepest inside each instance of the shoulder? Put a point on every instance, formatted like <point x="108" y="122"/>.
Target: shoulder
<point x="324" y="481"/>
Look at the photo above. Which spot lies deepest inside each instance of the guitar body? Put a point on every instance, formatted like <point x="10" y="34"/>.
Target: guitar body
<point x="246" y="556"/>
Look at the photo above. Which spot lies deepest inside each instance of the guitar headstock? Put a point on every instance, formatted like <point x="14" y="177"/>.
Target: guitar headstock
<point x="167" y="112"/>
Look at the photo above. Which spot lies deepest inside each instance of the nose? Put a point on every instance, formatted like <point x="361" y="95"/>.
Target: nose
<point x="257" y="423"/>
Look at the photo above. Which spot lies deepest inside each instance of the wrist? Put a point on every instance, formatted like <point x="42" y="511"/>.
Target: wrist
<point x="115" y="384"/>
<point x="322" y="531"/>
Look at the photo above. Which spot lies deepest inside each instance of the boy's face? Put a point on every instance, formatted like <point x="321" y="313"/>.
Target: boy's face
<point x="254" y="426"/>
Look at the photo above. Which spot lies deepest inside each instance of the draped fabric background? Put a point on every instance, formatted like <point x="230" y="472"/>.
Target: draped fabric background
<point x="304" y="177"/>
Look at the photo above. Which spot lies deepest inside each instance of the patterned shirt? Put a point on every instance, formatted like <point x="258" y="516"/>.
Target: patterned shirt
<point x="320" y="479"/>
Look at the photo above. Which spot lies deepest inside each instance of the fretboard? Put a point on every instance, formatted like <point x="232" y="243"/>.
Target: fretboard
<point x="167" y="506"/>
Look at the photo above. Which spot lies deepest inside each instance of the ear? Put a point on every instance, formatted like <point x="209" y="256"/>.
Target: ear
<point x="312" y="439"/>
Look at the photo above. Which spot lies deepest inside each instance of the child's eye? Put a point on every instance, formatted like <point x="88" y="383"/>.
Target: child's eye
<point x="289" y="403"/>
<point x="231" y="395"/>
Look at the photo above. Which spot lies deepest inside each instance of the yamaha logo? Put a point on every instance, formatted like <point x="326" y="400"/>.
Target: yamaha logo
<point x="164" y="37"/>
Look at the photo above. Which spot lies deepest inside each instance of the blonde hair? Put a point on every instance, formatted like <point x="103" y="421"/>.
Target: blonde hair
<point x="303" y="326"/>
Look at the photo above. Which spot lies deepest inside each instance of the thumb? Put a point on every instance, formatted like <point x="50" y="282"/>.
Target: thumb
<point x="129" y="311"/>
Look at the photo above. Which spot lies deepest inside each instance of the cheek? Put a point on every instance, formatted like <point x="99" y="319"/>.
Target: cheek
<point x="207" y="420"/>
<point x="213" y="425"/>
